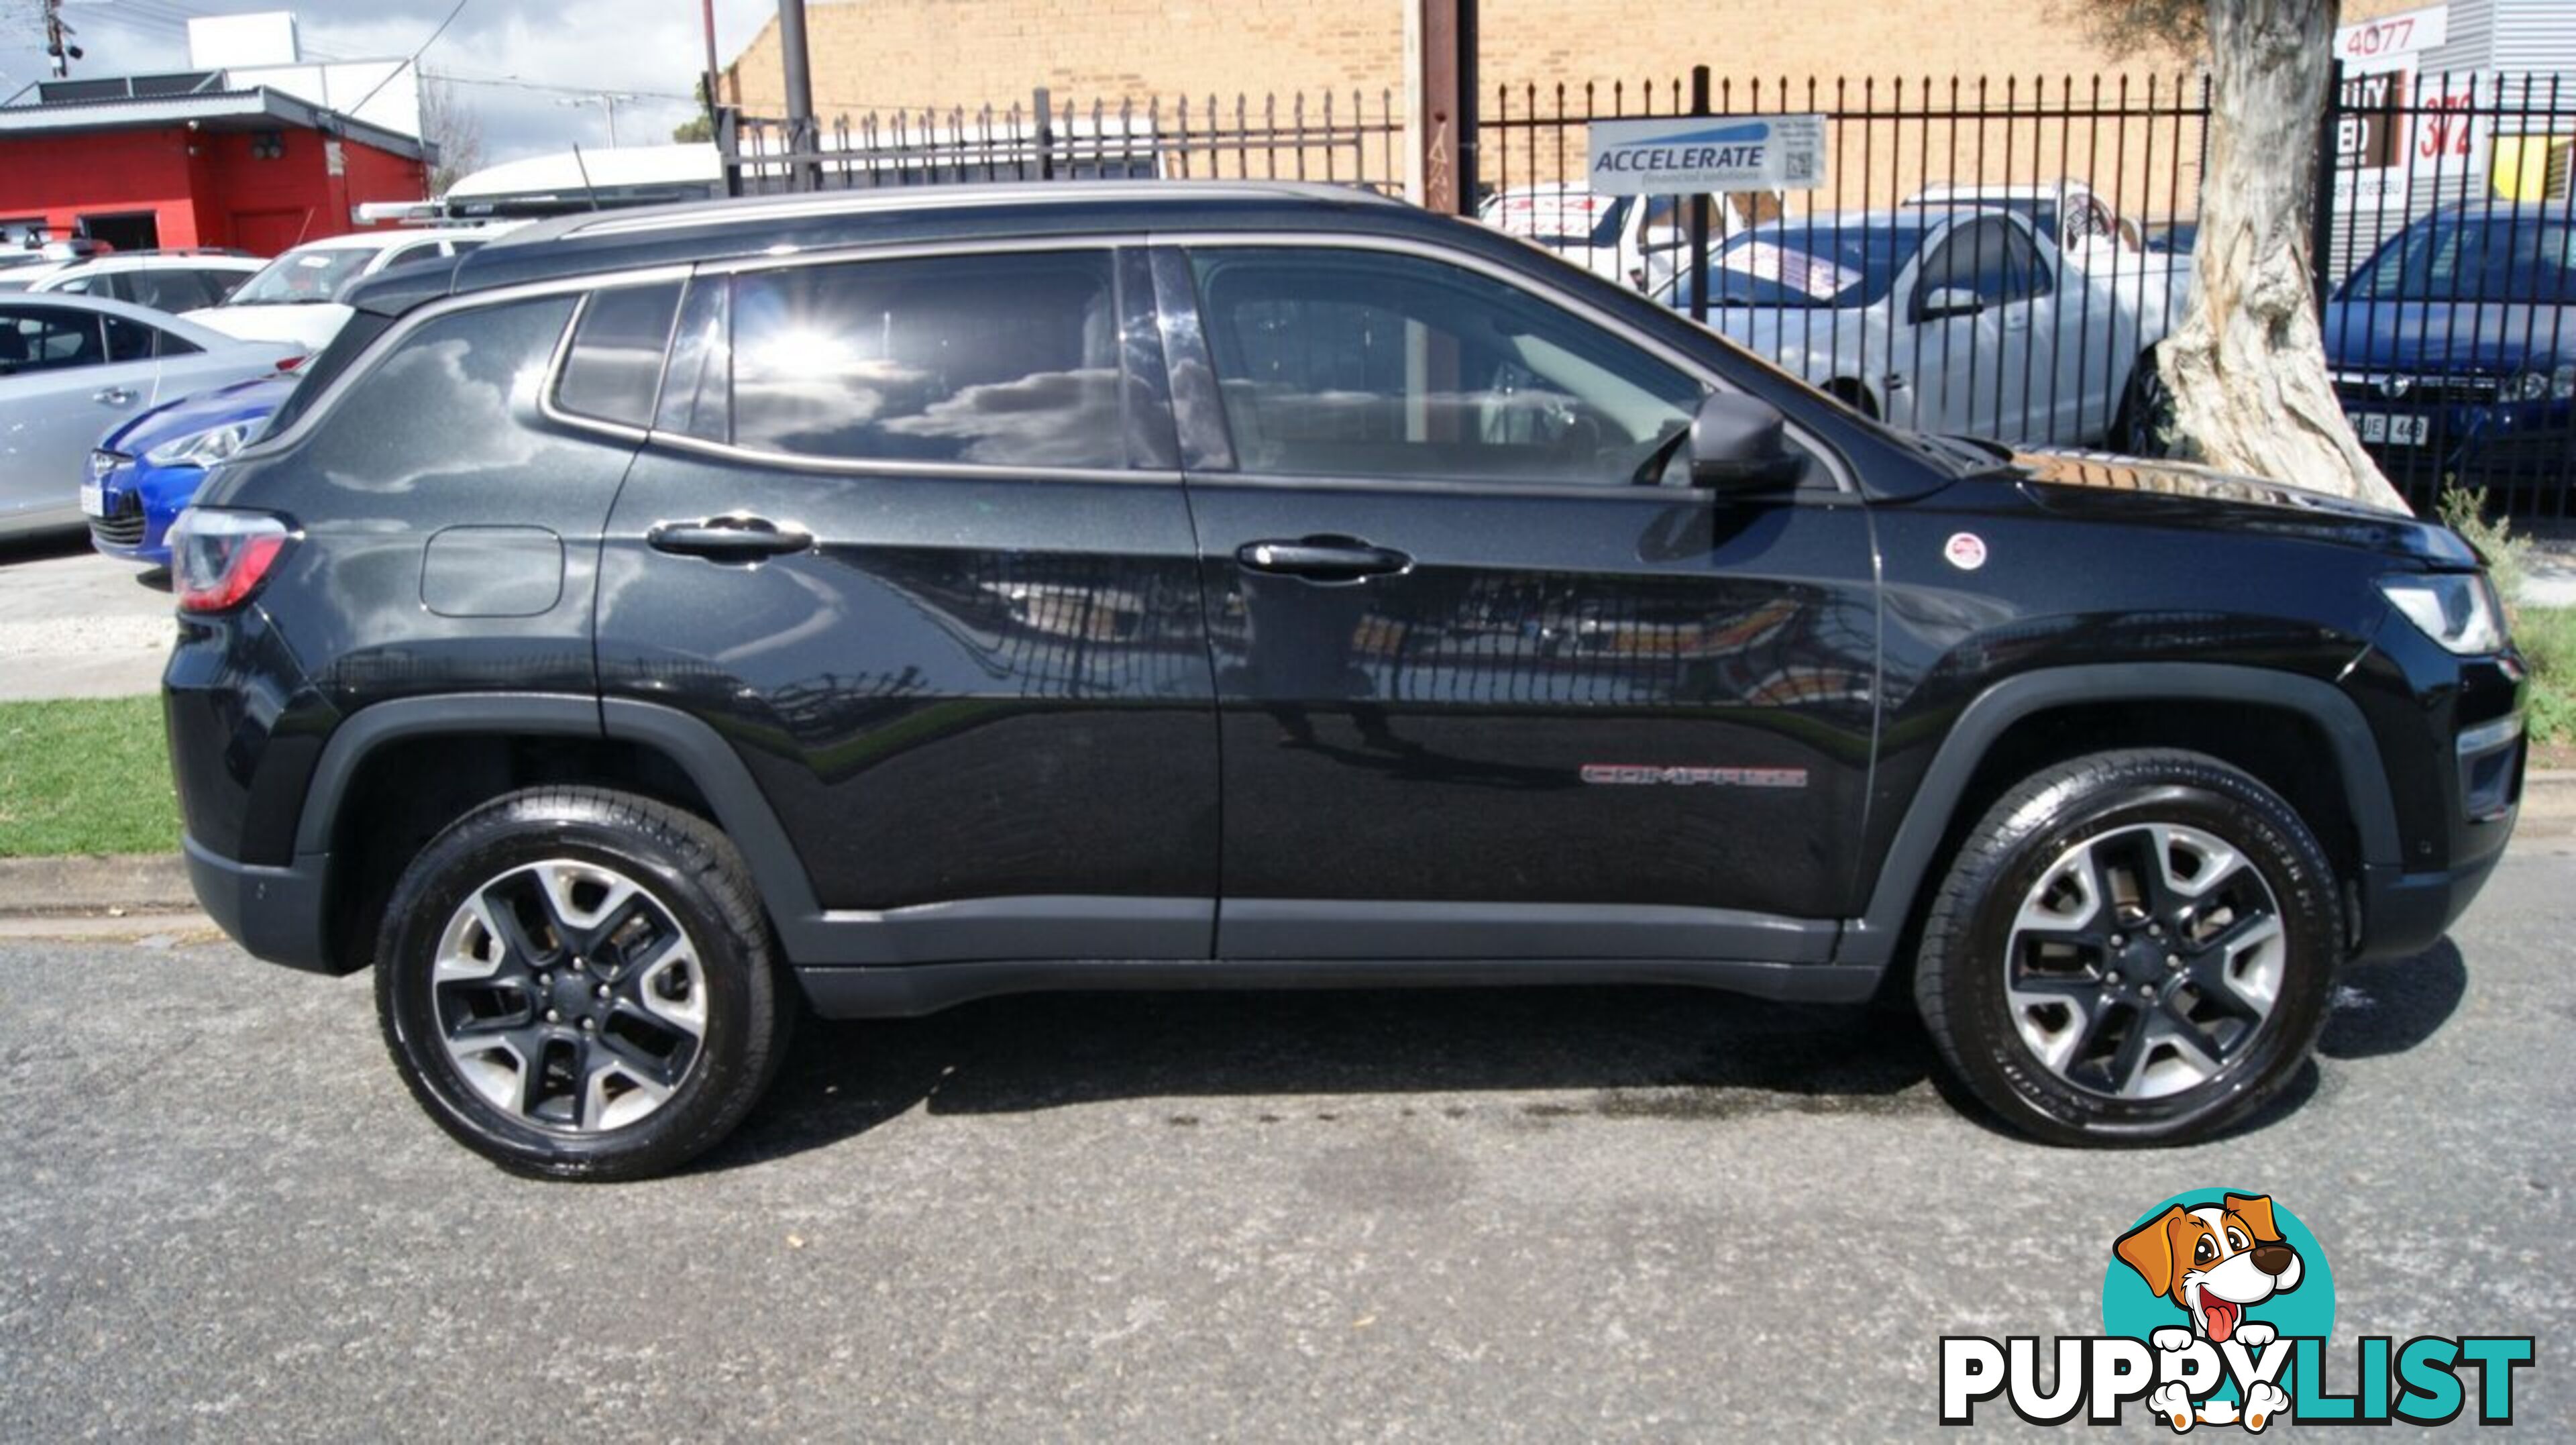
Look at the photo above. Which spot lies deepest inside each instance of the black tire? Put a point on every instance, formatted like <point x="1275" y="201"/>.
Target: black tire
<point x="2078" y="835"/>
<point x="1854" y="395"/>
<point x="705" y="954"/>
<point x="2145" y="425"/>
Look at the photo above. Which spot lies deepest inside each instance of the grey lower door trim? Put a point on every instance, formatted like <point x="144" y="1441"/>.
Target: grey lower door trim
<point x="1298" y="928"/>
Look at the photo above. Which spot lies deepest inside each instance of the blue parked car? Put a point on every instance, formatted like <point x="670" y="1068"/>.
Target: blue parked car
<point x="2454" y="348"/>
<point x="148" y="469"/>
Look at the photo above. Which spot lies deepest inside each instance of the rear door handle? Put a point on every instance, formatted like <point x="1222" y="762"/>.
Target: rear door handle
<point x="1322" y="559"/>
<point x="112" y="396"/>
<point x="729" y="539"/>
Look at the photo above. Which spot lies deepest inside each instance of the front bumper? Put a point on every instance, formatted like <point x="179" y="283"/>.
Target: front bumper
<point x="138" y="504"/>
<point x="2491" y="443"/>
<point x="278" y="914"/>
<point x="2404" y="913"/>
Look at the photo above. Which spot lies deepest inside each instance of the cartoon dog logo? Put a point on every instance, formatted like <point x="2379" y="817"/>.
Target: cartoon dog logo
<point x="2214" y="1261"/>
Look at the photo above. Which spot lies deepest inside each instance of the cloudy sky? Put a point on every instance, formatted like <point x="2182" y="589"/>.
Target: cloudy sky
<point x="512" y="61"/>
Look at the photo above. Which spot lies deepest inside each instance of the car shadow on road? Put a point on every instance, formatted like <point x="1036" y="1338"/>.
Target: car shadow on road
<point x="2381" y="1008"/>
<point x="1611" y="1052"/>
<point x="1604" y="1052"/>
<point x="42" y="546"/>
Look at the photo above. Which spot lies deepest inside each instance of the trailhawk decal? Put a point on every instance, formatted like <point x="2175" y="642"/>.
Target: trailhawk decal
<point x="1642" y="775"/>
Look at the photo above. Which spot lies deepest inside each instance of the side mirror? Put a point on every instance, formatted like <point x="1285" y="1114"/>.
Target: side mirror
<point x="1943" y="302"/>
<point x="1740" y="444"/>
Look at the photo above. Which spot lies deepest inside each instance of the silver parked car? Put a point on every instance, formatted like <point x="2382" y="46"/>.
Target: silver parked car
<point x="73" y="368"/>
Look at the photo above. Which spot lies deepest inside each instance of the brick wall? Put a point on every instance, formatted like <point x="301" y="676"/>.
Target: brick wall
<point x="907" y="55"/>
<point x="892" y="54"/>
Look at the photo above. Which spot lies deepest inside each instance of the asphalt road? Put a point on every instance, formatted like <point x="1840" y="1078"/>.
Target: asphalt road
<point x="1466" y="1215"/>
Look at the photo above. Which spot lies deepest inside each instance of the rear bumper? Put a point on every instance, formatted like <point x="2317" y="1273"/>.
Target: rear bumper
<point x="278" y="914"/>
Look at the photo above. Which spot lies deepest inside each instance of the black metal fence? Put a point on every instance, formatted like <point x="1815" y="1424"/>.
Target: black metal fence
<point x="1991" y="256"/>
<point x="2450" y="296"/>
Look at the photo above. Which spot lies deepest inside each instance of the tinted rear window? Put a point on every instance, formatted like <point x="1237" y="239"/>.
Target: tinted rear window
<point x="616" y="358"/>
<point x="1007" y="359"/>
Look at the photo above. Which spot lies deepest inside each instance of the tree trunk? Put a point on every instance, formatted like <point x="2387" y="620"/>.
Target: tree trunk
<point x="2248" y="366"/>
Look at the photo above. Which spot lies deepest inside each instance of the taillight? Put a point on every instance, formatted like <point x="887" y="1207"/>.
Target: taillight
<point x="218" y="557"/>
<point x="289" y="363"/>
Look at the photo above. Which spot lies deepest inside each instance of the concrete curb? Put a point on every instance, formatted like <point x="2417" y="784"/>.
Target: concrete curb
<point x="123" y="882"/>
<point x="156" y="884"/>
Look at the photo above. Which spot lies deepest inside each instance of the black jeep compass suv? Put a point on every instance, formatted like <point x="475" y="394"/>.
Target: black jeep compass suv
<point x="897" y="599"/>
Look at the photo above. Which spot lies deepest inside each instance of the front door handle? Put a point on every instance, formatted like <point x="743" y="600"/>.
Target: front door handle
<point x="1322" y="559"/>
<point x="113" y="396"/>
<point x="729" y="539"/>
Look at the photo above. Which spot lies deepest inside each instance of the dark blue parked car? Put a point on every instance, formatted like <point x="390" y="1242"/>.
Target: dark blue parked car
<point x="144" y="472"/>
<point x="2454" y="348"/>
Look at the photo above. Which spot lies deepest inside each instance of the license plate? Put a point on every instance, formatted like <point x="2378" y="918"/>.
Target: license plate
<point x="93" y="500"/>
<point x="2396" y="430"/>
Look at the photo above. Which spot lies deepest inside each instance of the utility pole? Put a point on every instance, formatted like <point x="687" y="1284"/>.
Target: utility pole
<point x="607" y="99"/>
<point x="1440" y="103"/>
<point x="58" y="49"/>
<point x="802" y="139"/>
<point x="707" y="10"/>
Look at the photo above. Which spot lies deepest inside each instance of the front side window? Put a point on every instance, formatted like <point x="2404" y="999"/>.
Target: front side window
<point x="1992" y="258"/>
<point x="170" y="290"/>
<point x="43" y="339"/>
<point x="1008" y="359"/>
<point x="303" y="277"/>
<point x="2507" y="258"/>
<point x="1372" y="365"/>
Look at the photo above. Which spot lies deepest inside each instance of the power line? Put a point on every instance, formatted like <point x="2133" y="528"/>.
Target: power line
<point x="514" y="83"/>
<point x="413" y="61"/>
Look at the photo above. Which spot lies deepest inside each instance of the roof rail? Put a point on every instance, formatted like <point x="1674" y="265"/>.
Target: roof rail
<point x="751" y="210"/>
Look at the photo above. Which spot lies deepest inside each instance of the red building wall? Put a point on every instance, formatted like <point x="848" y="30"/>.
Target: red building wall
<point x="205" y="187"/>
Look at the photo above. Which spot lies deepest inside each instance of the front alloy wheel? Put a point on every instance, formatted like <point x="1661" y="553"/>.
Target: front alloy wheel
<point x="2143" y="960"/>
<point x="2131" y="947"/>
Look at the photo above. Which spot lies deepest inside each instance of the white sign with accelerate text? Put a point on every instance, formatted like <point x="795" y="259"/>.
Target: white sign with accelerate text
<point x="1691" y="154"/>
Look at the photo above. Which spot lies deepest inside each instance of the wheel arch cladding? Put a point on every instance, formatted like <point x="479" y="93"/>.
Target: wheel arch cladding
<point x="1948" y="796"/>
<point x="367" y="812"/>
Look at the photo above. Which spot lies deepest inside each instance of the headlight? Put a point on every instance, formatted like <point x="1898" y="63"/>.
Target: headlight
<point x="2455" y="609"/>
<point x="2558" y="383"/>
<point x="205" y="448"/>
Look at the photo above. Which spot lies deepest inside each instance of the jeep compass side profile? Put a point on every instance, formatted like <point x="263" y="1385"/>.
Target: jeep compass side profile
<point x="890" y="600"/>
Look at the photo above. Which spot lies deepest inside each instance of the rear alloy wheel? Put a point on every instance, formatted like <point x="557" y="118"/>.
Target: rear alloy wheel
<point x="578" y="984"/>
<point x="568" y="996"/>
<point x="2131" y="947"/>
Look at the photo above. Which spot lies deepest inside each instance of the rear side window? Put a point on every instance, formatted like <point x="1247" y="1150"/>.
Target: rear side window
<point x="453" y="398"/>
<point x="130" y="340"/>
<point x="616" y="358"/>
<point x="1007" y="359"/>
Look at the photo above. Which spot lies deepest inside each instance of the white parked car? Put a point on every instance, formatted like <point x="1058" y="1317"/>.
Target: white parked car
<point x="296" y="297"/>
<point x="2154" y="283"/>
<point x="171" y="281"/>
<point x="1637" y="241"/>
<point x="1941" y="319"/>
<point x="73" y="368"/>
